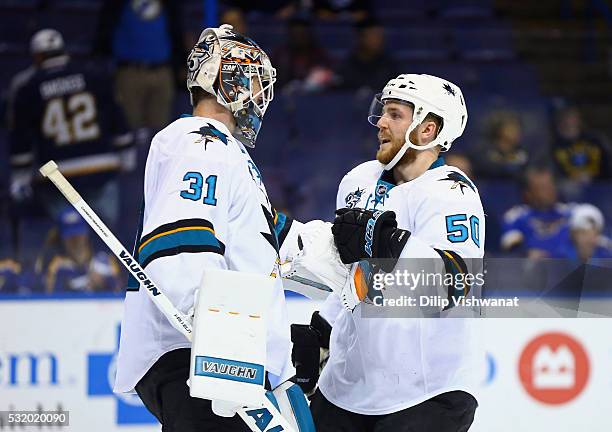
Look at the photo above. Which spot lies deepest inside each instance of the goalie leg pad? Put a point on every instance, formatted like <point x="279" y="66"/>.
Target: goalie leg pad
<point x="292" y="404"/>
<point x="230" y="368"/>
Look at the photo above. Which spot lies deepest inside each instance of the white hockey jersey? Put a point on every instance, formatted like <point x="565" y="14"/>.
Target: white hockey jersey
<point x="384" y="365"/>
<point x="205" y="206"/>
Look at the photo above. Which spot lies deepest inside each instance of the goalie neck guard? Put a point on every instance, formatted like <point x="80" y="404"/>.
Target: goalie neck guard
<point x="235" y="70"/>
<point x="428" y="94"/>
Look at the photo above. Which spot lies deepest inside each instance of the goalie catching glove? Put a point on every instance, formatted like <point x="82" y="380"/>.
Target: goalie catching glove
<point x="315" y="270"/>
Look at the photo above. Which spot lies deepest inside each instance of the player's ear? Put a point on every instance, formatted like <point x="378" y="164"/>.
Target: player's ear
<point x="429" y="130"/>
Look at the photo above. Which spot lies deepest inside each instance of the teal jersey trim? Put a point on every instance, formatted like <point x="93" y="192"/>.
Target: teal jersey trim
<point x="195" y="240"/>
<point x="280" y="223"/>
<point x="438" y="163"/>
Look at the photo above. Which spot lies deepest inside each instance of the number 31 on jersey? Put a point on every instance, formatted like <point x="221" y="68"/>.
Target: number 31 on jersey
<point x="194" y="192"/>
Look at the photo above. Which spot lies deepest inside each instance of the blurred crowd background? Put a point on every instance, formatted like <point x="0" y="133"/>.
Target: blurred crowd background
<point x="89" y="82"/>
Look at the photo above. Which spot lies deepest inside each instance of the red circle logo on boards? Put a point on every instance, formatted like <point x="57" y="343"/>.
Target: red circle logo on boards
<point x="554" y="368"/>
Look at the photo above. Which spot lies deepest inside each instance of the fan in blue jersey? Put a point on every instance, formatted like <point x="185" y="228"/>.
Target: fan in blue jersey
<point x="72" y="264"/>
<point x="539" y="228"/>
<point x="586" y="235"/>
<point x="65" y="111"/>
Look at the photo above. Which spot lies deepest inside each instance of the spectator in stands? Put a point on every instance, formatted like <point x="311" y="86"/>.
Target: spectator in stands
<point x="502" y="156"/>
<point x="66" y="112"/>
<point x="538" y="228"/>
<point x="302" y="61"/>
<point x="72" y="265"/>
<point x="586" y="235"/>
<point x="10" y="275"/>
<point x="579" y="155"/>
<point x="368" y="65"/>
<point x="145" y="39"/>
<point x="460" y="161"/>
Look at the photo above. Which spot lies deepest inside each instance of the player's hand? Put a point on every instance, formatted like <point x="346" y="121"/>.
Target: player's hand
<point x="310" y="351"/>
<point x="21" y="186"/>
<point x="361" y="234"/>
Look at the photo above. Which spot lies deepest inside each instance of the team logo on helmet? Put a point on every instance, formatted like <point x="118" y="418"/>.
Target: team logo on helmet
<point x="200" y="54"/>
<point x="236" y="84"/>
<point x="449" y="89"/>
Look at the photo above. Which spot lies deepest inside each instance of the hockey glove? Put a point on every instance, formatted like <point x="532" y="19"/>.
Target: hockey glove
<point x="363" y="234"/>
<point x="310" y="351"/>
<point x="315" y="268"/>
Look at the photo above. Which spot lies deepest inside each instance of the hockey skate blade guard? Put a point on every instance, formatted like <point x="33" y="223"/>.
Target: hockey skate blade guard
<point x="228" y="352"/>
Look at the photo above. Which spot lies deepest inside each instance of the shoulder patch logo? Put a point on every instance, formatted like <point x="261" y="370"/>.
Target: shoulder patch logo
<point x="209" y="134"/>
<point x="459" y="180"/>
<point x="353" y="198"/>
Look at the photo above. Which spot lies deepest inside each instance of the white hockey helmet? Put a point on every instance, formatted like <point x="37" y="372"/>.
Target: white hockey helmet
<point x="47" y="41"/>
<point x="428" y="94"/>
<point x="226" y="64"/>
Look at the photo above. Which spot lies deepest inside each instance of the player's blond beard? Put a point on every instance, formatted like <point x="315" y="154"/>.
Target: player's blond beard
<point x="385" y="156"/>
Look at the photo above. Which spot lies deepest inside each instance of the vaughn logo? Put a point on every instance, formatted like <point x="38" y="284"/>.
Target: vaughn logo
<point x="144" y="281"/>
<point x="233" y="370"/>
<point x="138" y="273"/>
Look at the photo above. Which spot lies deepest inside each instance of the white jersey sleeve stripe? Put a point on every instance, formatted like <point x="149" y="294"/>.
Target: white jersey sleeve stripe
<point x="183" y="236"/>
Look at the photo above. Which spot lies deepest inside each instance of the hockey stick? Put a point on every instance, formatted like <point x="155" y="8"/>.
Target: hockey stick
<point x="261" y="419"/>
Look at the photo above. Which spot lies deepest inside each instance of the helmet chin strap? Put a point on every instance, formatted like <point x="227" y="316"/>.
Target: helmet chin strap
<point x="397" y="157"/>
<point x="409" y="144"/>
